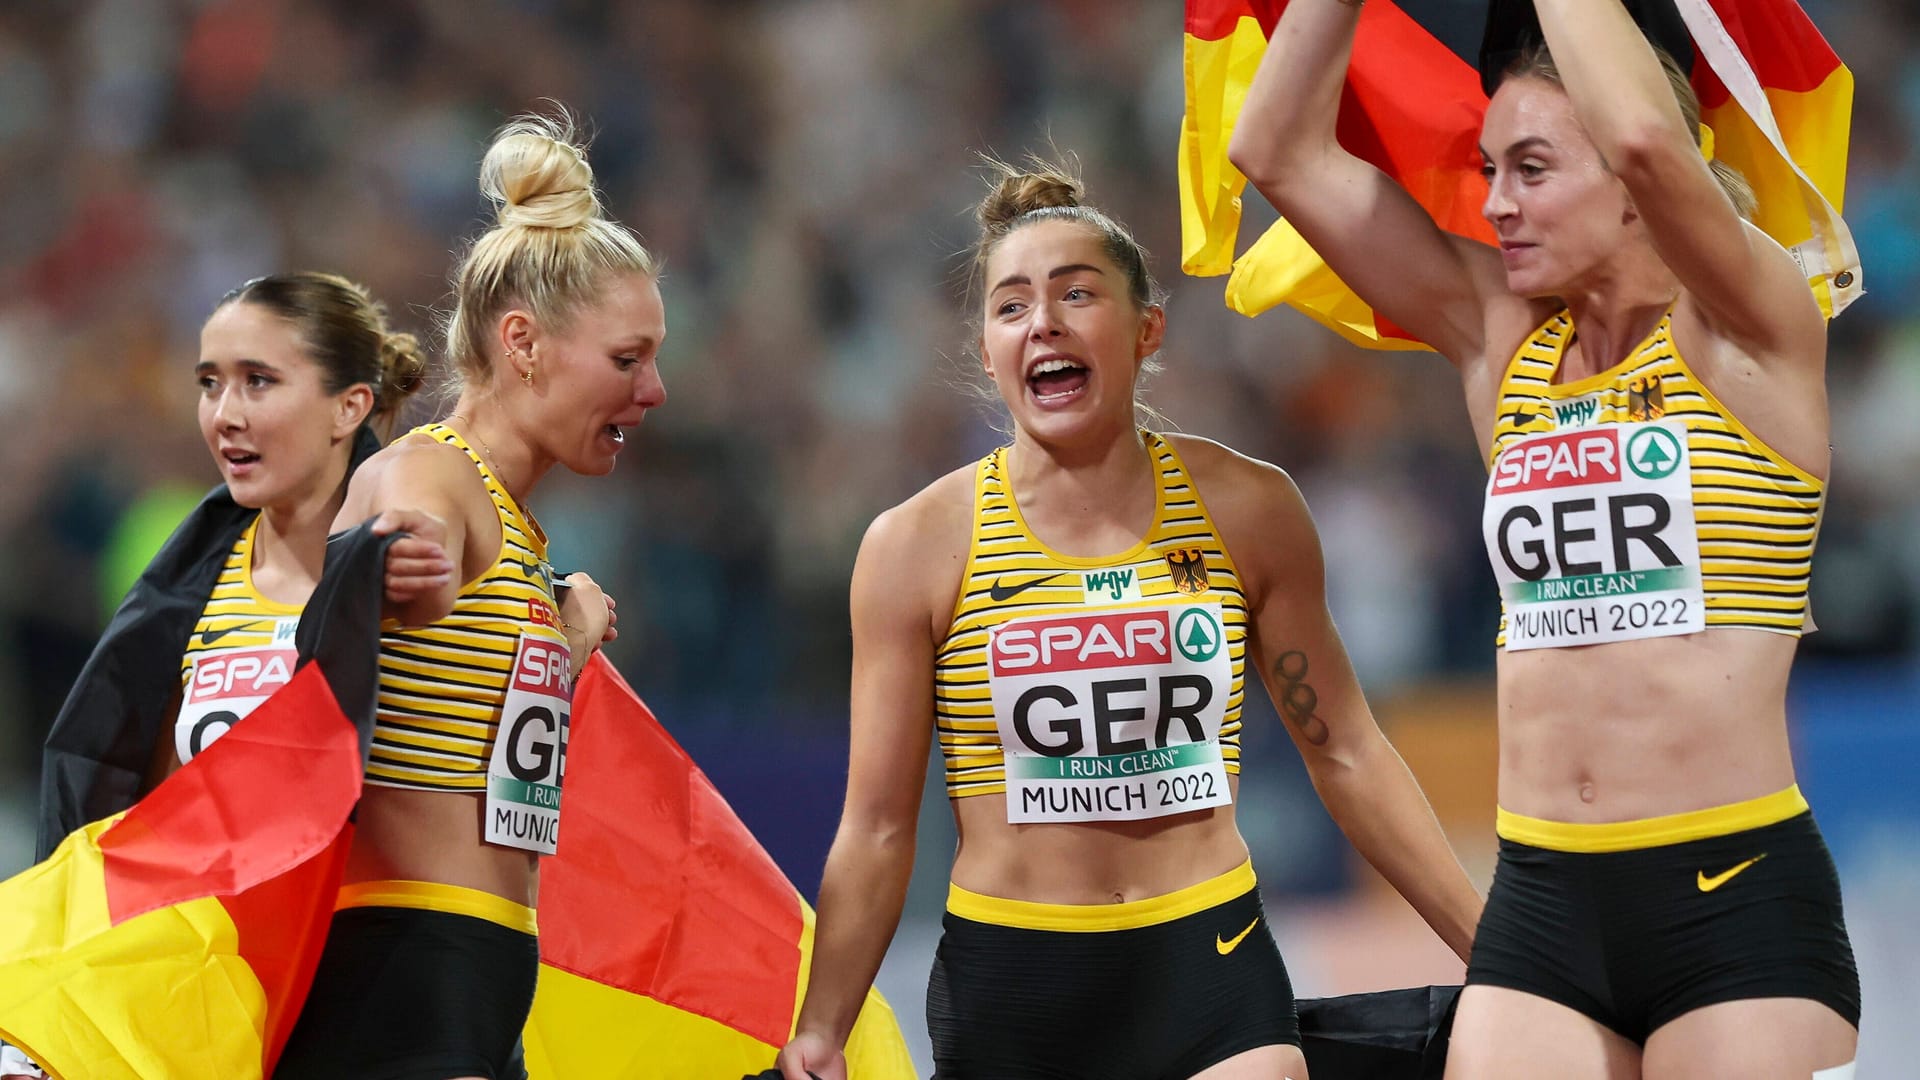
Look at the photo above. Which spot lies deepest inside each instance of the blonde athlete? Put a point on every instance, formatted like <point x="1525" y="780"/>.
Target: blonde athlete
<point x="430" y="965"/>
<point x="1076" y="616"/>
<point x="1647" y="373"/>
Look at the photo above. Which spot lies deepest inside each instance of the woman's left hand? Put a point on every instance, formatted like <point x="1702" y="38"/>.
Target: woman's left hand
<point x="417" y="562"/>
<point x="586" y="617"/>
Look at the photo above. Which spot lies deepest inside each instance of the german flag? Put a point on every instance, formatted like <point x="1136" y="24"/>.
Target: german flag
<point x="671" y="945"/>
<point x="178" y="937"/>
<point x="1779" y="103"/>
<point x="1775" y="95"/>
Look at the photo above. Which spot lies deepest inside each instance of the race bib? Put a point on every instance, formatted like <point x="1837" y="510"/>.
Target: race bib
<point x="1112" y="716"/>
<point x="227" y="684"/>
<point x="1592" y="536"/>
<point x="530" y="750"/>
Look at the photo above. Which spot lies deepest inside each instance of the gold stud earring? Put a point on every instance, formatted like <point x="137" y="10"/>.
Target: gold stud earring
<point x="527" y="376"/>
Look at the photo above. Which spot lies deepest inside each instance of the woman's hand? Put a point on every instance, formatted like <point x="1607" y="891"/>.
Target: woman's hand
<point x="417" y="563"/>
<point x="811" y="1057"/>
<point x="586" y="617"/>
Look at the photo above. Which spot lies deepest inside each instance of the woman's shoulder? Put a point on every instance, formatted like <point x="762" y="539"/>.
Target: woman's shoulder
<point x="935" y="518"/>
<point x="418" y="455"/>
<point x="1215" y="466"/>
<point x="915" y="553"/>
<point x="418" y="471"/>
<point x="1256" y="507"/>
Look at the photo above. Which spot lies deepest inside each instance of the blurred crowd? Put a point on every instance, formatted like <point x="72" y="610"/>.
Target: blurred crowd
<point x="806" y="168"/>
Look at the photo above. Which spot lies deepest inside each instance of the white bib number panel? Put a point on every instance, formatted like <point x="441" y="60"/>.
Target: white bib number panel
<point x="529" y="758"/>
<point x="1592" y="536"/>
<point x="224" y="685"/>
<point x="1113" y="716"/>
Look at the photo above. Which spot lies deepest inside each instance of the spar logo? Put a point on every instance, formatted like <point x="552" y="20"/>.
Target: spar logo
<point x="1080" y="642"/>
<point x="544" y="668"/>
<point x="1109" y="683"/>
<point x="1558" y="461"/>
<point x="1653" y="453"/>
<point x="1197" y="635"/>
<point x="245" y="673"/>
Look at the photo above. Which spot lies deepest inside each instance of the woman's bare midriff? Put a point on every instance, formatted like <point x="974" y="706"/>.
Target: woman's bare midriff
<point x="1640" y="729"/>
<point x="403" y="835"/>
<point x="1105" y="862"/>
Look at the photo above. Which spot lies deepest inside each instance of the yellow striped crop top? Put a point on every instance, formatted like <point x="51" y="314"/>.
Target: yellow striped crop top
<point x="1093" y="688"/>
<point x="442" y="687"/>
<point x="241" y="650"/>
<point x="1633" y="504"/>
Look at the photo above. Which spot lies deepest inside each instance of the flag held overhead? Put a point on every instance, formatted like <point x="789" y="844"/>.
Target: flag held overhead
<point x="1776" y="97"/>
<point x="1412" y="108"/>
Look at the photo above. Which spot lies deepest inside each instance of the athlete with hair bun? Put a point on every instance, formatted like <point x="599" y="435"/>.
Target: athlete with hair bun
<point x="1075" y="616"/>
<point x="431" y="960"/>
<point x="299" y="378"/>
<point x="294" y="370"/>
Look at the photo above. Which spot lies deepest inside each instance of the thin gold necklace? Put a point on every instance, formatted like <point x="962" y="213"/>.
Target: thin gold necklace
<point x="492" y="462"/>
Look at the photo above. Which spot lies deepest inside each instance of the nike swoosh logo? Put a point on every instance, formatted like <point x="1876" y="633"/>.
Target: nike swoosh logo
<point x="1708" y="884"/>
<point x="1003" y="593"/>
<point x="208" y="638"/>
<point x="1227" y="945"/>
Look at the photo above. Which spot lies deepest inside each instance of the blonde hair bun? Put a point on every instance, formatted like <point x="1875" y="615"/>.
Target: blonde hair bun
<point x="537" y="176"/>
<point x="551" y="251"/>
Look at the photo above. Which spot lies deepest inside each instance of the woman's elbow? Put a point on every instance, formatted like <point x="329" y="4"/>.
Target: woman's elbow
<point x="1280" y="168"/>
<point x="1258" y="155"/>
<point x="1352" y="759"/>
<point x="883" y="832"/>
<point x="1641" y="152"/>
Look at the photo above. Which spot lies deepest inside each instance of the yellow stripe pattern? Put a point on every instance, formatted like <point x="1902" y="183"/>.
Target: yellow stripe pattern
<point x="1003" y="546"/>
<point x="1756" y="514"/>
<point x="236" y="615"/>
<point x="441" y="686"/>
<point x="1652" y="832"/>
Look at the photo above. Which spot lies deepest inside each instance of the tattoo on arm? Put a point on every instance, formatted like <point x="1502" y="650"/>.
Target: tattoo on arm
<point x="1297" y="700"/>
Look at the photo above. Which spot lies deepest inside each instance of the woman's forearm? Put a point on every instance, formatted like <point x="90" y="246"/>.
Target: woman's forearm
<point x="1378" y="804"/>
<point x="861" y="894"/>
<point x="1293" y="106"/>
<point x="1610" y="72"/>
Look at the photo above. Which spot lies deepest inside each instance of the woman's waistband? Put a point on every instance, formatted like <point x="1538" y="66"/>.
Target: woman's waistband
<point x="434" y="896"/>
<point x="1654" y="831"/>
<point x="1093" y="918"/>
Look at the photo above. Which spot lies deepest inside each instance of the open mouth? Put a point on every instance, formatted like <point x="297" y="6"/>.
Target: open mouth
<point x="238" y="458"/>
<point x="1056" y="379"/>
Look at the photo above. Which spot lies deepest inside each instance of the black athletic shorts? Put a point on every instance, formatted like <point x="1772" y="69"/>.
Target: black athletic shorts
<point x="418" y="992"/>
<point x="1634" y="938"/>
<point x="1156" y="989"/>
